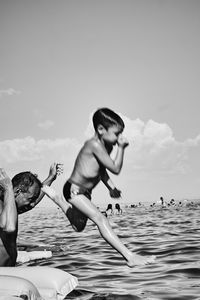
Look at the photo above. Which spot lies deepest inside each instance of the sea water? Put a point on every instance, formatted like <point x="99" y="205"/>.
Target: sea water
<point x="173" y="235"/>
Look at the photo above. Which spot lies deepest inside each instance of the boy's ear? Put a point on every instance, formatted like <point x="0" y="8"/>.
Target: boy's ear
<point x="101" y="129"/>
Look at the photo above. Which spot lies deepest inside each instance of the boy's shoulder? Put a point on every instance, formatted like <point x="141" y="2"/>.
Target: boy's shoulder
<point x="93" y="143"/>
<point x="94" y="146"/>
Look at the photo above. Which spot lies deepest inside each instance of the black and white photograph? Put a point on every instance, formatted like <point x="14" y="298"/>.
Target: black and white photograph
<point x="99" y="149"/>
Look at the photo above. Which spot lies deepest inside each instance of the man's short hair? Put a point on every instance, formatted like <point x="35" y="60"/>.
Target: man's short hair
<point x="107" y="118"/>
<point x="24" y="180"/>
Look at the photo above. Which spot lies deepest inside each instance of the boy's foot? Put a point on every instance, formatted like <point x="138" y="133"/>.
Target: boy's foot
<point x="137" y="260"/>
<point x="49" y="191"/>
<point x="57" y="198"/>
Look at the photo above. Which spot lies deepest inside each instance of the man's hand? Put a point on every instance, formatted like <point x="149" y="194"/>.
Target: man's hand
<point x="8" y="217"/>
<point x="5" y="181"/>
<point x="115" y="193"/>
<point x="55" y="170"/>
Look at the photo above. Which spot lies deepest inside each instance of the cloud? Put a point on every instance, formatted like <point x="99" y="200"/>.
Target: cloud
<point x="28" y="149"/>
<point x="46" y="124"/>
<point x="153" y="149"/>
<point x="9" y="92"/>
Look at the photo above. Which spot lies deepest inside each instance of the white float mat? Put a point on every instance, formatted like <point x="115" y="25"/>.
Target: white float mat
<point x="51" y="283"/>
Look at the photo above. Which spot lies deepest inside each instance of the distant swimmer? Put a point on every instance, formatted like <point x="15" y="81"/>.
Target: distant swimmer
<point x="117" y="210"/>
<point x="172" y="203"/>
<point x="90" y="168"/>
<point x="109" y="210"/>
<point x="161" y="203"/>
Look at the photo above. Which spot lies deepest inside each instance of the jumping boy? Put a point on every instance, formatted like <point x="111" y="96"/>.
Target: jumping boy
<point x="90" y="167"/>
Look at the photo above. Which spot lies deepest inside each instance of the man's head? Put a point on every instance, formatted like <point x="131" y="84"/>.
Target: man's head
<point x="108" y="124"/>
<point x="26" y="188"/>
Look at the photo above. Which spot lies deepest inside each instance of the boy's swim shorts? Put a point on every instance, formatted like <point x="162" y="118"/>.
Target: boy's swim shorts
<point x="72" y="189"/>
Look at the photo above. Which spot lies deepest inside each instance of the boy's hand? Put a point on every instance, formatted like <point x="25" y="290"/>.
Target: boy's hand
<point x="122" y="141"/>
<point x="115" y="193"/>
<point x="55" y="170"/>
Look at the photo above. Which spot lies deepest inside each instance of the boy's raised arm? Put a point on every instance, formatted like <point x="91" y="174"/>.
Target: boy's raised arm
<point x="105" y="178"/>
<point x="113" y="165"/>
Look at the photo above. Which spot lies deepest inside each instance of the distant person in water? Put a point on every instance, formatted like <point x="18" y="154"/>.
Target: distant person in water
<point x="162" y="202"/>
<point x="172" y="202"/>
<point x="109" y="210"/>
<point x="90" y="168"/>
<point x="18" y="196"/>
<point x="118" y="210"/>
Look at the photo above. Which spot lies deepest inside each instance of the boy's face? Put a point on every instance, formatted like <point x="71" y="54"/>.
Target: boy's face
<point x="111" y="134"/>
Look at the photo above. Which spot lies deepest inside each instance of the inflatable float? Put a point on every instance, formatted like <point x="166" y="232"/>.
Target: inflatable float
<point x="26" y="256"/>
<point x="35" y="283"/>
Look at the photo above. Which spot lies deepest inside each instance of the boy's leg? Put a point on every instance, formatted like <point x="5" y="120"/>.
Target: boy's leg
<point x="86" y="207"/>
<point x="77" y="219"/>
<point x="57" y="198"/>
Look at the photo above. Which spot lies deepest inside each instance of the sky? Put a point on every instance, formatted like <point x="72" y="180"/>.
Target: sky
<point x="62" y="60"/>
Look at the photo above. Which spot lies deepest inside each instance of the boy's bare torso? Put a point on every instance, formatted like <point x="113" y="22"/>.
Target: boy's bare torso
<point x="87" y="169"/>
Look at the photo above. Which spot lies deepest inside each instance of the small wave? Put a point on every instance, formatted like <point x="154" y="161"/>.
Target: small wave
<point x="194" y="272"/>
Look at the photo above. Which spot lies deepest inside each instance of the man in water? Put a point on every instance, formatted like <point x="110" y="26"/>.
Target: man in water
<point x="18" y="196"/>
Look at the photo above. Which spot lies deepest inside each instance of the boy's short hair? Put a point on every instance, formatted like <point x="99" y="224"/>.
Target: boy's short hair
<point x="24" y="180"/>
<point x="107" y="118"/>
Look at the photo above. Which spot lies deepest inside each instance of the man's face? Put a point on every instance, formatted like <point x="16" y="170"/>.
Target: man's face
<point x="26" y="200"/>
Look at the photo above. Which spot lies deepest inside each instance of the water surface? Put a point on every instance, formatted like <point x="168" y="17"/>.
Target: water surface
<point x="173" y="235"/>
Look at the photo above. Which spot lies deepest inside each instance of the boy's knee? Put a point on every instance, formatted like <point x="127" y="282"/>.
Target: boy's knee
<point x="99" y="219"/>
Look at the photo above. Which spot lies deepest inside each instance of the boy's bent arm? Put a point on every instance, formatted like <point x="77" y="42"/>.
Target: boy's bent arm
<point x="103" y="157"/>
<point x="105" y="178"/>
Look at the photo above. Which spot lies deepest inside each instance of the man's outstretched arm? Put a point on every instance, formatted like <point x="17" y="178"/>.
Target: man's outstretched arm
<point x="55" y="170"/>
